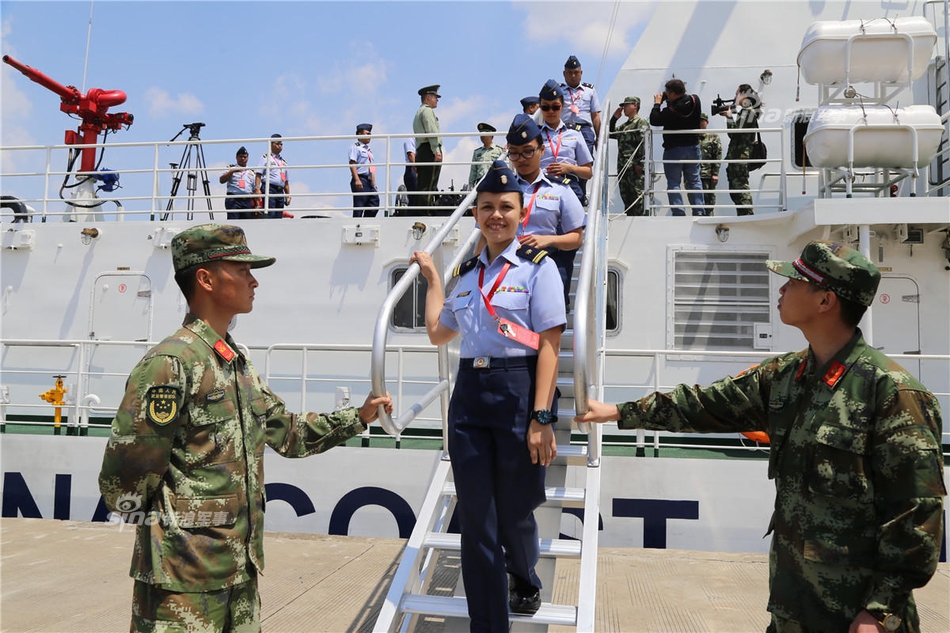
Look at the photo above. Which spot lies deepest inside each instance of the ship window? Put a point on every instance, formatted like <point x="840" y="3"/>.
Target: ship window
<point x="718" y="297"/>
<point x="613" y="300"/>
<point x="410" y="310"/>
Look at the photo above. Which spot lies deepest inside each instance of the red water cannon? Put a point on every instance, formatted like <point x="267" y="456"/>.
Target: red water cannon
<point x="91" y="107"/>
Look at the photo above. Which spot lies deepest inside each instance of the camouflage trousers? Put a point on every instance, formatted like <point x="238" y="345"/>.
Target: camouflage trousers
<point x="709" y="195"/>
<point x="738" y="174"/>
<point x="631" y="192"/>
<point x="235" y="609"/>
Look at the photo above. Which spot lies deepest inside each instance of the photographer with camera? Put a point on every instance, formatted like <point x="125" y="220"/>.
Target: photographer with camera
<point x="748" y="107"/>
<point x="681" y="113"/>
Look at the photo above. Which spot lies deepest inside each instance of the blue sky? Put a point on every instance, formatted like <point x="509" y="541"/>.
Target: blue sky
<point x="248" y="69"/>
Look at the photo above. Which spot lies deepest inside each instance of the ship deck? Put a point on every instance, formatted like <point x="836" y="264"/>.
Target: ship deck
<point x="72" y="576"/>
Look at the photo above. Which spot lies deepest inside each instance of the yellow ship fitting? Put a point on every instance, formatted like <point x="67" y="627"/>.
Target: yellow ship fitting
<point x="55" y="397"/>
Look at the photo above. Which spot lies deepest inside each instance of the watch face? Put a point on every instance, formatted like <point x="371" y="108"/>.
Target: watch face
<point x="891" y="622"/>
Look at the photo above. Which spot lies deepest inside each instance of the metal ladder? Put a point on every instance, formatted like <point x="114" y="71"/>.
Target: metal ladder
<point x="414" y="594"/>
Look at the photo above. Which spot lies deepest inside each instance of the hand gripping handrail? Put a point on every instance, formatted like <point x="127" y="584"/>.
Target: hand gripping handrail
<point x="590" y="316"/>
<point x="381" y="334"/>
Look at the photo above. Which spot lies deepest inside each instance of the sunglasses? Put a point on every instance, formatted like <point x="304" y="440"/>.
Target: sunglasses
<point x="555" y="107"/>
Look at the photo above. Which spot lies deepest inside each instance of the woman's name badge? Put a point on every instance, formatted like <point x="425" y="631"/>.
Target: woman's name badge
<point x="518" y="333"/>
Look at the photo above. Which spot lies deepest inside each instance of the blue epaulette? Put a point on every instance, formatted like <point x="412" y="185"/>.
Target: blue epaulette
<point x="532" y="254"/>
<point x="465" y="266"/>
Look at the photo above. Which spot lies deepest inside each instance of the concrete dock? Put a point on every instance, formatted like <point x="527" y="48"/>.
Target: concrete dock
<point x="70" y="576"/>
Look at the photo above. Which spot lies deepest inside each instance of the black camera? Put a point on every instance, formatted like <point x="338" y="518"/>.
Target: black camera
<point x="720" y="105"/>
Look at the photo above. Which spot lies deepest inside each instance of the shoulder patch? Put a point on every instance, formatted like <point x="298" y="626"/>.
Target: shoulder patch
<point x="162" y="404"/>
<point x="465" y="266"/>
<point x="223" y="350"/>
<point x="532" y="254"/>
<point x="587" y="85"/>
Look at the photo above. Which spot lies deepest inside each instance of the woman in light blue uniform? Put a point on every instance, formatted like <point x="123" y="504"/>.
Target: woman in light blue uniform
<point x="509" y="308"/>
<point x="554" y="217"/>
<point x="567" y="159"/>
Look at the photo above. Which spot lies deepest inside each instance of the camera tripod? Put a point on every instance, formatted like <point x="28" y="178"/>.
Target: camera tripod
<point x="184" y="168"/>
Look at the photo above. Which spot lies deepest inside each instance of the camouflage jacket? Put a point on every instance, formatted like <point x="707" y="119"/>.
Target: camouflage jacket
<point x="482" y="159"/>
<point x="630" y="140"/>
<point x="856" y="458"/>
<point x="711" y="148"/>
<point x="185" y="459"/>
<point x="740" y="143"/>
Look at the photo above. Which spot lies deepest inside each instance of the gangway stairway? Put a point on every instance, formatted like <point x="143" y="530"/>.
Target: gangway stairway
<point x="411" y="596"/>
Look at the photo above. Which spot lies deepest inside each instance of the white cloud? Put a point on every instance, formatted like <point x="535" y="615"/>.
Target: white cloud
<point x="161" y="104"/>
<point x="547" y="22"/>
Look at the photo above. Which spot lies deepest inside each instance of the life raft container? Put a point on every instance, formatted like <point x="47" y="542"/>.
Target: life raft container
<point x="881" y="136"/>
<point x="893" y="51"/>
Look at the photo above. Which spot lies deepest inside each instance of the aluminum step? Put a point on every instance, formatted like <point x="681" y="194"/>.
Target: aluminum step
<point x="452" y="607"/>
<point x="567" y="497"/>
<point x="568" y="548"/>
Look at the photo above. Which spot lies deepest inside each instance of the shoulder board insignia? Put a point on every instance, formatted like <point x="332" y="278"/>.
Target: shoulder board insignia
<point x="747" y="370"/>
<point x="532" y="254"/>
<point x="835" y="372"/>
<point x="801" y="369"/>
<point x="161" y="404"/>
<point x="465" y="266"/>
<point x="587" y="85"/>
<point x="223" y="350"/>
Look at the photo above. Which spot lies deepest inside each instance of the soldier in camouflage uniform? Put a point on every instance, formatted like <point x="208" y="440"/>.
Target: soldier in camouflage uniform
<point x="484" y="156"/>
<point x="740" y="146"/>
<point x="185" y="458"/>
<point x="631" y="151"/>
<point x="711" y="148"/>
<point x="854" y="451"/>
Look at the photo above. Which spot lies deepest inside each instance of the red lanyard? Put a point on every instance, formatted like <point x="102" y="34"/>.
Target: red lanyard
<point x="570" y="91"/>
<point x="491" y="293"/>
<point x="530" y="204"/>
<point x="557" y="150"/>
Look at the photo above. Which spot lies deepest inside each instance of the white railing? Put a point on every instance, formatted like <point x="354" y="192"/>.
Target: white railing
<point x="654" y="173"/>
<point x="82" y="403"/>
<point x="318" y="173"/>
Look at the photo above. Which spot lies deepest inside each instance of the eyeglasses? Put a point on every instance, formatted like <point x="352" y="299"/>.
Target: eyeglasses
<point x="528" y="154"/>
<point x="555" y="107"/>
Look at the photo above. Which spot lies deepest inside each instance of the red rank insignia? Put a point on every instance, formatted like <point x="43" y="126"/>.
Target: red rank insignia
<point x="835" y="372"/>
<point x="224" y="351"/>
<point x="801" y="370"/>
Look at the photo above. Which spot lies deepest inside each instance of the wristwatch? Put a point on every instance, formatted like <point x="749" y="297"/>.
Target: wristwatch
<point x="543" y="416"/>
<point x="888" y="621"/>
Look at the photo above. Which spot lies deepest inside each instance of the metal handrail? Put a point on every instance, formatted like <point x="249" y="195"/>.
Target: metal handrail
<point x="381" y="333"/>
<point x="584" y="309"/>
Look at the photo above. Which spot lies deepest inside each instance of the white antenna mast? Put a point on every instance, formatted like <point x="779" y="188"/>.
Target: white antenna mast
<point x="85" y="63"/>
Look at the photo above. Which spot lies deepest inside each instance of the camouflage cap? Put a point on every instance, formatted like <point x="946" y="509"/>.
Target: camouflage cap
<point x="211" y="243"/>
<point x="836" y="267"/>
<point x="634" y="100"/>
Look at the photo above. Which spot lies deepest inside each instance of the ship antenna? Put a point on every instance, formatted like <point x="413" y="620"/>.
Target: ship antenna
<point x="85" y="63"/>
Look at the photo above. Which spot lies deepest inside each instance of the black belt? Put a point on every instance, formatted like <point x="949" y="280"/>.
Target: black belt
<point x="487" y="362"/>
<point x="278" y="188"/>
